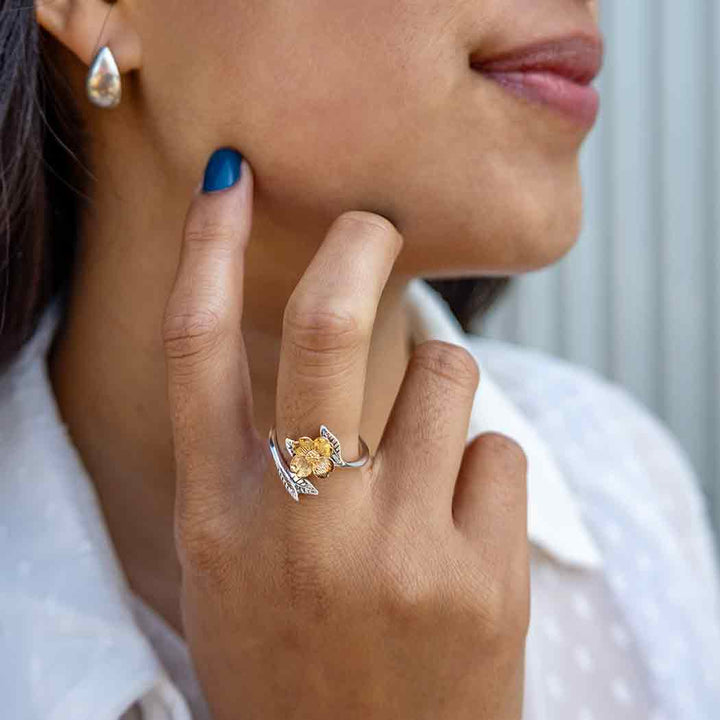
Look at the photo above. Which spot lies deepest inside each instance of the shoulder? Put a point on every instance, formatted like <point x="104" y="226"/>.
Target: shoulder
<point x="595" y="412"/>
<point x="614" y="451"/>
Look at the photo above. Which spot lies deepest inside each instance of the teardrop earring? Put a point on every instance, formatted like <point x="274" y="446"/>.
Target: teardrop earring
<point x="103" y="85"/>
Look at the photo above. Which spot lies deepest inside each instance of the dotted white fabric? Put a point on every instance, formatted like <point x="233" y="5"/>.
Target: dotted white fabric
<point x="658" y="596"/>
<point x="625" y="610"/>
<point x="582" y="657"/>
<point x="174" y="656"/>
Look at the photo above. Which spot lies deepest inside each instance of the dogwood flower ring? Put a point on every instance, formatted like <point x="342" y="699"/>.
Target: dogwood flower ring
<point x="317" y="457"/>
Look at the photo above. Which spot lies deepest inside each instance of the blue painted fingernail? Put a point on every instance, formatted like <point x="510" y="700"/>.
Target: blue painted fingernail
<point x="223" y="170"/>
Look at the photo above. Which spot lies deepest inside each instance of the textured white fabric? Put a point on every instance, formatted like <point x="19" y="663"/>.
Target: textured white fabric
<point x="625" y="611"/>
<point x="174" y="655"/>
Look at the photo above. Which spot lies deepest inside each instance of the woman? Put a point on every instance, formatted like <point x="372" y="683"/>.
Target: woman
<point x="153" y="563"/>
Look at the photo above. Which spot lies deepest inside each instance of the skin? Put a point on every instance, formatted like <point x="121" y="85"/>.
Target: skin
<point x="338" y="106"/>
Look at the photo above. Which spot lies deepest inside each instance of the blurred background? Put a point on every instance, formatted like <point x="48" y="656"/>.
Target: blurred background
<point x="638" y="298"/>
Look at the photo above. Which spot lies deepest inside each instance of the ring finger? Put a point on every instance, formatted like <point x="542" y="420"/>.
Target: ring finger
<point x="327" y="328"/>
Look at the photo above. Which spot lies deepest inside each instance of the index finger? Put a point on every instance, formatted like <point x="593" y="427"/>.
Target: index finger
<point x="209" y="386"/>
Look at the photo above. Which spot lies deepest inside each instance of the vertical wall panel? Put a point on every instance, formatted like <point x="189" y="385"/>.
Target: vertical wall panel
<point x="712" y="40"/>
<point x="638" y="297"/>
<point x="685" y="319"/>
<point x="633" y="226"/>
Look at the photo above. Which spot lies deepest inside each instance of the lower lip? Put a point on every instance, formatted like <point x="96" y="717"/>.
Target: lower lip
<point x="580" y="103"/>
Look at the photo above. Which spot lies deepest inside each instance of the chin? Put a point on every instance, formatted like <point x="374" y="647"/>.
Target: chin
<point x="519" y="232"/>
<point x="541" y="234"/>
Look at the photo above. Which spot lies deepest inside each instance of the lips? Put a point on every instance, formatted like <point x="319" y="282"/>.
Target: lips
<point x="556" y="73"/>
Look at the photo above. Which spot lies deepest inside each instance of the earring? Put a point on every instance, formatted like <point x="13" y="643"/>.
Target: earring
<point x="103" y="84"/>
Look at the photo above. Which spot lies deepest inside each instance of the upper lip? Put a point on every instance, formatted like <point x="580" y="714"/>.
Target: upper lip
<point x="578" y="58"/>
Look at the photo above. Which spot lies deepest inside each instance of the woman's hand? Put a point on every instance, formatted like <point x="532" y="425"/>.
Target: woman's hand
<point x="401" y="590"/>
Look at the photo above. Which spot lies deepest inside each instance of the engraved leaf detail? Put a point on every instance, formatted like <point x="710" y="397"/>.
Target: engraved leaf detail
<point x="337" y="454"/>
<point x="289" y="485"/>
<point x="303" y="485"/>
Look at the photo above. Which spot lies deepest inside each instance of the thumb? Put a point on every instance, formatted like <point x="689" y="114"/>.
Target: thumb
<point x="208" y="377"/>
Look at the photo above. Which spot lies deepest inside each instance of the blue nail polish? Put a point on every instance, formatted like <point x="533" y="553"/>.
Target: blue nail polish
<point x="223" y="170"/>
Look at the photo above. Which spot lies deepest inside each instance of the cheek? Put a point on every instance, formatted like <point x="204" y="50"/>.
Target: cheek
<point x="345" y="105"/>
<point x="336" y="106"/>
<point x="473" y="186"/>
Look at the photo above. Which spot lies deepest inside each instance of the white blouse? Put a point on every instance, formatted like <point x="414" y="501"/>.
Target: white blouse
<point x="625" y="615"/>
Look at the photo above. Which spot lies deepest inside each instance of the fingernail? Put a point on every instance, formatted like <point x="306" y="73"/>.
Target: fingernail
<point x="223" y="170"/>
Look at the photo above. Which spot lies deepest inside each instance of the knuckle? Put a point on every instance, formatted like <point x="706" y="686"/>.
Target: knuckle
<point x="203" y="546"/>
<point x="207" y="232"/>
<point x="191" y="335"/>
<point x="309" y="580"/>
<point x="493" y="606"/>
<point x="315" y="330"/>
<point x="409" y="588"/>
<point x="504" y="450"/>
<point x="451" y="363"/>
<point x="409" y="598"/>
<point x="504" y="612"/>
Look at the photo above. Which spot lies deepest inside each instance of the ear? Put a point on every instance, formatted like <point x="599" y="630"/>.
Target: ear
<point x="77" y="24"/>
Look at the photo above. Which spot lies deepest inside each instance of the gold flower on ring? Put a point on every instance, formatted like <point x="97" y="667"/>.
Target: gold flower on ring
<point x="312" y="457"/>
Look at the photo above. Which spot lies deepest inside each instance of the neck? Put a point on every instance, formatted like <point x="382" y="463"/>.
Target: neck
<point x="107" y="366"/>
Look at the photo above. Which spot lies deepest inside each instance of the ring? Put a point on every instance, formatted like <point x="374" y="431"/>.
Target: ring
<point x="318" y="457"/>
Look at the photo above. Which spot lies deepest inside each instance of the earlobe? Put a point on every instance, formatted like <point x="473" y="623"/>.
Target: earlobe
<point x="84" y="26"/>
<point x="52" y="15"/>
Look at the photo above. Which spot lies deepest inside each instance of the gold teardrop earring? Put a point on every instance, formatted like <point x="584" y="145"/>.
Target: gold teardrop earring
<point x="103" y="84"/>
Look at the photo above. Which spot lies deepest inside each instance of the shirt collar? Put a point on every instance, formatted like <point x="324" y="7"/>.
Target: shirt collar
<point x="554" y="520"/>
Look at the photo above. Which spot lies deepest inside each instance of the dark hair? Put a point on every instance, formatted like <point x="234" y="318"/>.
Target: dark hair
<point x="42" y="183"/>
